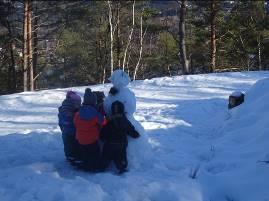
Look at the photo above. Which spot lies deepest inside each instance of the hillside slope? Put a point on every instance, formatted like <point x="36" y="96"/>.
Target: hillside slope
<point x="187" y="128"/>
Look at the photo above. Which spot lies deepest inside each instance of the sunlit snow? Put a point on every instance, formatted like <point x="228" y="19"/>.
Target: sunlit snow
<point x="193" y="148"/>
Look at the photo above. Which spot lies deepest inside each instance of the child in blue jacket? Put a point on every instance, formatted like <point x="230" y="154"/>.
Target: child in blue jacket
<point x="66" y="116"/>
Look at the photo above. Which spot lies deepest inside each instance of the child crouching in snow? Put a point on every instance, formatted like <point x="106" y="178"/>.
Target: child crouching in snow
<point x="66" y="114"/>
<point x="88" y="123"/>
<point x="114" y="134"/>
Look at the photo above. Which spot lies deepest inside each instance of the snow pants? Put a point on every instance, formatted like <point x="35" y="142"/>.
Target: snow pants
<point x="70" y="147"/>
<point x="115" y="152"/>
<point x="90" y="157"/>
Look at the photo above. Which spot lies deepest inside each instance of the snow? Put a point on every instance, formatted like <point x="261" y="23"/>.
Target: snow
<point x="126" y="96"/>
<point x="120" y="81"/>
<point x="236" y="93"/>
<point x="187" y="126"/>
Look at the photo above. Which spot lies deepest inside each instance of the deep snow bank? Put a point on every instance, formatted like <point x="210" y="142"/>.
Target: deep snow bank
<point x="236" y="171"/>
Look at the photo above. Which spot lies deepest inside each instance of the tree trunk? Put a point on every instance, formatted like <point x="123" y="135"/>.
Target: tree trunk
<point x="191" y="64"/>
<point x="11" y="71"/>
<point x="118" y="34"/>
<point x="150" y="44"/>
<point x="97" y="57"/>
<point x="25" y="51"/>
<point x="169" y="71"/>
<point x="104" y="75"/>
<point x="213" y="36"/>
<point x="248" y="63"/>
<point x="35" y="44"/>
<point x="141" y="45"/>
<point x="13" y="85"/>
<point x="111" y="36"/>
<point x="129" y="39"/>
<point x="30" y="49"/>
<point x="127" y="65"/>
<point x="259" y="53"/>
<point x="182" y="43"/>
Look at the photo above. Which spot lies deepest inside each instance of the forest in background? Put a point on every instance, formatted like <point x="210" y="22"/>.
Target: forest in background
<point x="51" y="44"/>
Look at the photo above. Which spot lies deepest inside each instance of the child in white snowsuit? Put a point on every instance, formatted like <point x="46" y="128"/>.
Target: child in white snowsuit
<point x="114" y="135"/>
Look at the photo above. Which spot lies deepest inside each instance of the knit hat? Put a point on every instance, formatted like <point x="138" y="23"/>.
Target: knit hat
<point x="117" y="107"/>
<point x="89" y="97"/>
<point x="74" y="97"/>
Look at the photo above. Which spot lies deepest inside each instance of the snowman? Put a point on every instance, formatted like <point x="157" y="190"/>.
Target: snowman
<point x="139" y="150"/>
<point x="121" y="92"/>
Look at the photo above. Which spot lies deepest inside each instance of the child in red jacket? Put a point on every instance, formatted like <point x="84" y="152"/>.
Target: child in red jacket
<point x="88" y="123"/>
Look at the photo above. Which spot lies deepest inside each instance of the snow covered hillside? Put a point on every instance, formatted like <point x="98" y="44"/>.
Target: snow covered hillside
<point x="193" y="148"/>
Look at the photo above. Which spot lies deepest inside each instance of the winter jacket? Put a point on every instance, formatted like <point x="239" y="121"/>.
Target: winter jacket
<point x="117" y="129"/>
<point x="88" y="123"/>
<point x="65" y="117"/>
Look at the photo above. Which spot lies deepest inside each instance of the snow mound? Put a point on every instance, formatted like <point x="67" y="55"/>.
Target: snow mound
<point x="240" y="155"/>
<point x="249" y="121"/>
<point x="236" y="93"/>
<point x="256" y="102"/>
<point x="139" y="152"/>
<point x="258" y="93"/>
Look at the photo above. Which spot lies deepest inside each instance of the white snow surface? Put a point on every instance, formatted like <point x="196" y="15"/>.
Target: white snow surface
<point x="193" y="147"/>
<point x="119" y="79"/>
<point x="126" y="96"/>
<point x="237" y="93"/>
